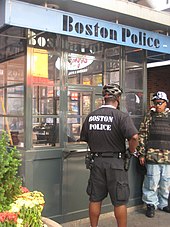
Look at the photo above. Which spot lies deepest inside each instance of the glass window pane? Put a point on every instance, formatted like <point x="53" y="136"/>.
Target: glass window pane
<point x="15" y="100"/>
<point x="112" y="64"/>
<point x="14" y="126"/>
<point x="79" y="106"/>
<point x="12" y="99"/>
<point x="133" y="83"/>
<point x="134" y="103"/>
<point x="134" y="78"/>
<point x="12" y="72"/>
<point x="73" y="129"/>
<point x="45" y="100"/>
<point x="84" y="62"/>
<point x="15" y="71"/>
<point x="98" y="101"/>
<point x="79" y="103"/>
<point x="134" y="68"/>
<point x="134" y="57"/>
<point x="84" y="70"/>
<point x="45" y="131"/>
<point x="45" y="97"/>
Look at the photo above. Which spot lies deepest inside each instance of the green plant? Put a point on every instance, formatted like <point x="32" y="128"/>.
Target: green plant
<point x="28" y="206"/>
<point x="18" y="206"/>
<point x="25" y="211"/>
<point x="10" y="183"/>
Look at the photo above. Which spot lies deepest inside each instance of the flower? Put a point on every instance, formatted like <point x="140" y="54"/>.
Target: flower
<point x="24" y="189"/>
<point x="26" y="209"/>
<point x="28" y="206"/>
<point x="8" y="217"/>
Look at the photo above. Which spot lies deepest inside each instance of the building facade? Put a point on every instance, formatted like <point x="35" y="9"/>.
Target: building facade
<point x="53" y="64"/>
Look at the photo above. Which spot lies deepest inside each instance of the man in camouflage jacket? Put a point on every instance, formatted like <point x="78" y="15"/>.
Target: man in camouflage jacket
<point x="154" y="150"/>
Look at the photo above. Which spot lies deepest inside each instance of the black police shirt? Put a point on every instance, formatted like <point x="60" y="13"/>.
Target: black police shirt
<point x="106" y="130"/>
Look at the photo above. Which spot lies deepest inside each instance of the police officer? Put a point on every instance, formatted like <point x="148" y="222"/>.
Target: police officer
<point x="106" y="130"/>
<point x="154" y="149"/>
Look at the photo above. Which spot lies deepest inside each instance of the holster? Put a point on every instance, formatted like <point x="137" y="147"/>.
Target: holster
<point x="89" y="160"/>
<point x="127" y="159"/>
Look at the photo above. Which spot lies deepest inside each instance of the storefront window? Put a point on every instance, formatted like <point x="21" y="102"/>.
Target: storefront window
<point x="50" y="83"/>
<point x="84" y="62"/>
<point x="12" y="100"/>
<point x="45" y="109"/>
<point x="45" y="100"/>
<point x="133" y="83"/>
<point x="90" y="64"/>
<point x="63" y="78"/>
<point x="43" y="68"/>
<point x="12" y="65"/>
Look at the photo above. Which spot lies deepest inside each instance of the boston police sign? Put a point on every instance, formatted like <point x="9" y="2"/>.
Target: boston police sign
<point x="31" y="16"/>
<point x="110" y="32"/>
<point x="104" y="31"/>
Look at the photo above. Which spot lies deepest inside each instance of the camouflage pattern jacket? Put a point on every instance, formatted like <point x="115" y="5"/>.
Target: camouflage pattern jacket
<point x="152" y="155"/>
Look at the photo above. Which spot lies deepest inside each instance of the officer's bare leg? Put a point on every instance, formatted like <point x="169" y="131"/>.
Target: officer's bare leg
<point x="94" y="213"/>
<point x="121" y="215"/>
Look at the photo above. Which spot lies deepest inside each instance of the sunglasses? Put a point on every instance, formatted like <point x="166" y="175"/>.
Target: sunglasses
<point x="158" y="103"/>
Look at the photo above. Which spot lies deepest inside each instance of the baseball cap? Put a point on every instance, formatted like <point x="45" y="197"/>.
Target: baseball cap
<point x="160" y="95"/>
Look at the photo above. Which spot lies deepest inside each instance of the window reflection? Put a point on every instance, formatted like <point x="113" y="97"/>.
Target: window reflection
<point x="12" y="100"/>
<point x="84" y="69"/>
<point x="134" y="103"/>
<point x="134" y="79"/>
<point x="46" y="131"/>
<point x="45" y="97"/>
<point x="79" y="106"/>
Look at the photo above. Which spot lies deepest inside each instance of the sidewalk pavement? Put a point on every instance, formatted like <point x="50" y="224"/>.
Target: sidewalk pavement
<point x="50" y="223"/>
<point x="136" y="218"/>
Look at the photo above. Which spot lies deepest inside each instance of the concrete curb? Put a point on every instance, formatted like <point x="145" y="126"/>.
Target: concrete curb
<point x="50" y="223"/>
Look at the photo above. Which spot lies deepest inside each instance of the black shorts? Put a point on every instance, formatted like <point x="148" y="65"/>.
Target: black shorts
<point x="108" y="176"/>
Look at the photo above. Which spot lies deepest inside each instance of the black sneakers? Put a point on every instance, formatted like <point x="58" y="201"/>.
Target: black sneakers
<point x="150" y="212"/>
<point x="166" y="209"/>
